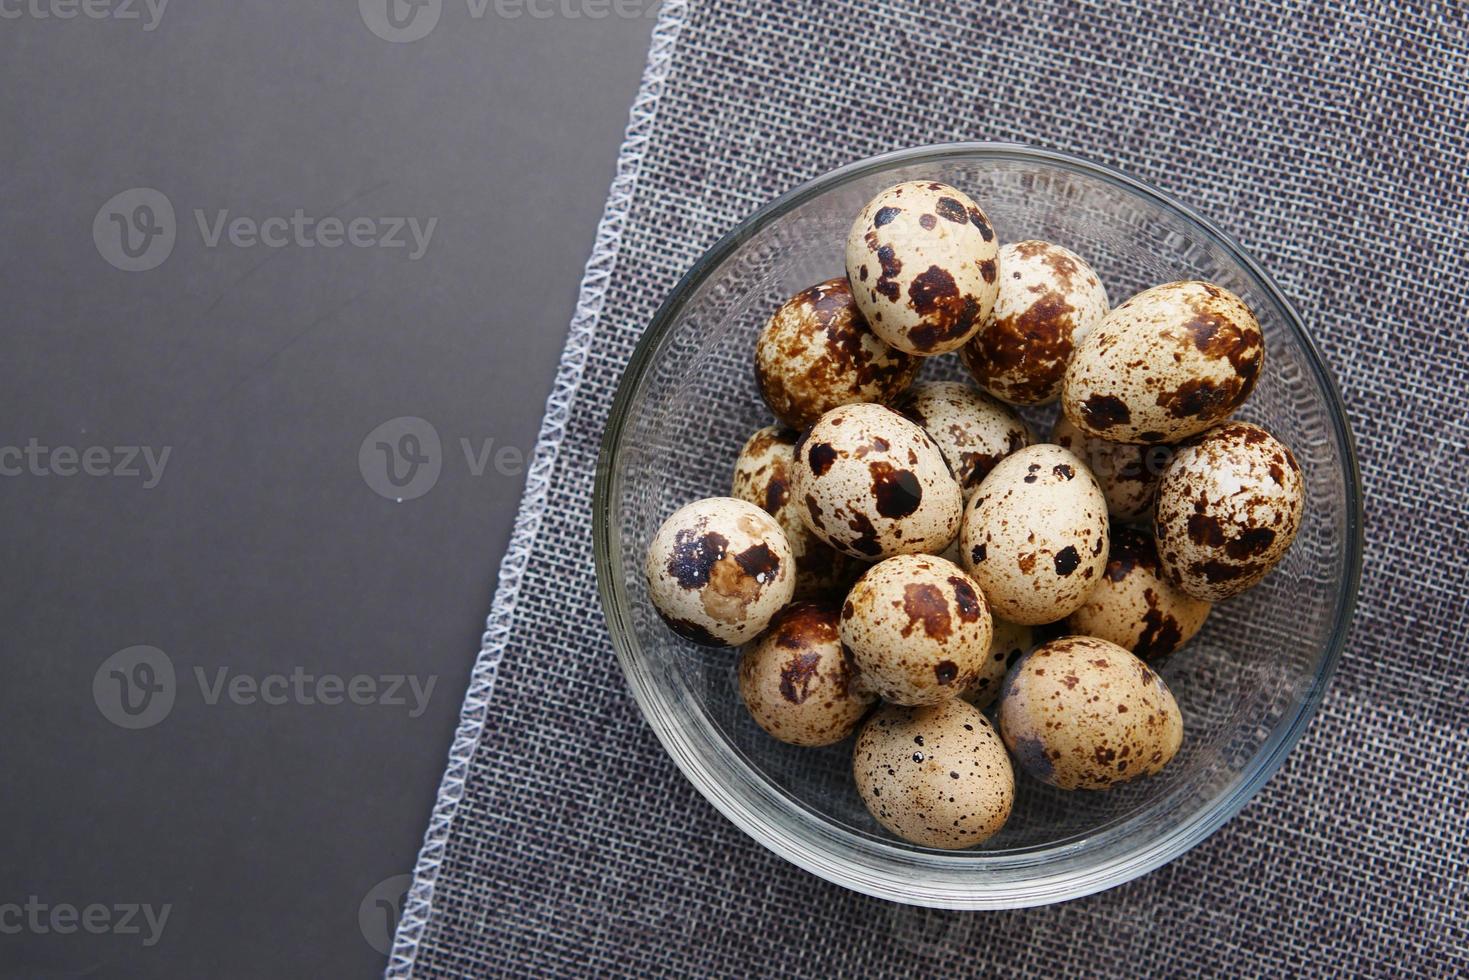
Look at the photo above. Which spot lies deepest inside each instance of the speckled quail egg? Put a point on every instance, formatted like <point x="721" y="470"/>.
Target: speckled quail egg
<point x="1134" y="606"/>
<point x="1166" y="364"/>
<point x="935" y="775"/>
<point x="973" y="430"/>
<point x="922" y="262"/>
<point x="1035" y="535"/>
<point x="798" y="680"/>
<point x="1228" y="509"/>
<point x="918" y="628"/>
<point x="718" y="570"/>
<point x="764" y="475"/>
<point x="817" y="353"/>
<point x="1127" y="472"/>
<point x="1049" y="300"/>
<point x="872" y="484"/>
<point x="1083" y="713"/>
<point x="1011" y="642"/>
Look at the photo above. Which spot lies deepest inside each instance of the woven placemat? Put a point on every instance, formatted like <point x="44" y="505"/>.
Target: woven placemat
<point x="1330" y="142"/>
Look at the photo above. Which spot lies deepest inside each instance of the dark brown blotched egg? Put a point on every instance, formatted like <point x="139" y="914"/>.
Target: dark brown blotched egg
<point x="1134" y="606"/>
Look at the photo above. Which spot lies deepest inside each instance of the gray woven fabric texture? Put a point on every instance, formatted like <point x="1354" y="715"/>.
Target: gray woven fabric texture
<point x="1330" y="142"/>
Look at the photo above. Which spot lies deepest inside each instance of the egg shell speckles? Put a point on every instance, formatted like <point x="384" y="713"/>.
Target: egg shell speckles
<point x="872" y="484"/>
<point x="764" y="476"/>
<point x="1228" y="509"/>
<point x="973" y="430"/>
<point x="1134" y="606"/>
<point x="1011" y="642"/>
<point x="1127" y="472"/>
<point x="1083" y="713"/>
<point x="1035" y="535"/>
<point x="799" y="682"/>
<point x="718" y="570"/>
<point x="1166" y="364"/>
<point x="1049" y="300"/>
<point x="817" y="353"/>
<point x="922" y="260"/>
<point x="919" y="629"/>
<point x="936" y="776"/>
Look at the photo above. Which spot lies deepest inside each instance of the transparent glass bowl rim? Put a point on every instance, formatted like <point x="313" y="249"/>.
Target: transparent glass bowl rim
<point x="1034" y="875"/>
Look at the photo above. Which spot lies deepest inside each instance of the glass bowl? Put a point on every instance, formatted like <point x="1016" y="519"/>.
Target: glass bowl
<point x="1247" y="685"/>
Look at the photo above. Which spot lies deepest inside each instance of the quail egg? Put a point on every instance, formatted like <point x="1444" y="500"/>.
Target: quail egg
<point x="763" y="475"/>
<point x="718" y="570"/>
<point x="799" y="681"/>
<point x="1228" y="509"/>
<point x="872" y="484"/>
<point x="1035" y="535"/>
<point x="817" y="353"/>
<point x="922" y="263"/>
<point x="936" y="775"/>
<point x="973" y="430"/>
<point x="1164" y="365"/>
<point x="1011" y="642"/>
<point x="918" y="628"/>
<point x="1134" y="606"/>
<point x="1127" y="472"/>
<point x="1049" y="300"/>
<point x="1083" y="713"/>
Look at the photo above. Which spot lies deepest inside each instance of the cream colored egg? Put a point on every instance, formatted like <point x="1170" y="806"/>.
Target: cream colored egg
<point x="1011" y="642"/>
<point x="1049" y="300"/>
<point x="918" y="628"/>
<point x="764" y="475"/>
<point x="922" y="262"/>
<point x="1035" y="535"/>
<point x="817" y="353"/>
<point x="1127" y="472"/>
<point x="1134" y="606"/>
<point x="718" y="570"/>
<point x="872" y="484"/>
<point x="1166" y="364"/>
<point x="974" y="430"/>
<point x="936" y="775"/>
<point x="1083" y="713"/>
<point x="799" y="682"/>
<point x="1228" y="509"/>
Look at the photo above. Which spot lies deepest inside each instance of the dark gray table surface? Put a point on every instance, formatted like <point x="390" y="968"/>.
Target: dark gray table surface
<point x="260" y="559"/>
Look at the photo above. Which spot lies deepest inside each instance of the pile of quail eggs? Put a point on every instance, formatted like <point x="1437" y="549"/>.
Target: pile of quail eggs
<point x="893" y="556"/>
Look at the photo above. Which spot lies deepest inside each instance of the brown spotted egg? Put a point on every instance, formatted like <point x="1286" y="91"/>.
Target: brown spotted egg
<point x="936" y="776"/>
<point x="918" y="628"/>
<point x="922" y="263"/>
<point x="798" y="680"/>
<point x="973" y="430"/>
<point x="1164" y="365"/>
<point x="1035" y="535"/>
<point x="718" y="570"/>
<point x="1049" y="300"/>
<point x="817" y="353"/>
<point x="1228" y="509"/>
<point x="1134" y="606"/>
<point x="1127" y="472"/>
<point x="1011" y="642"/>
<point x="764" y="475"/>
<point x="872" y="484"/>
<point x="1083" y="713"/>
